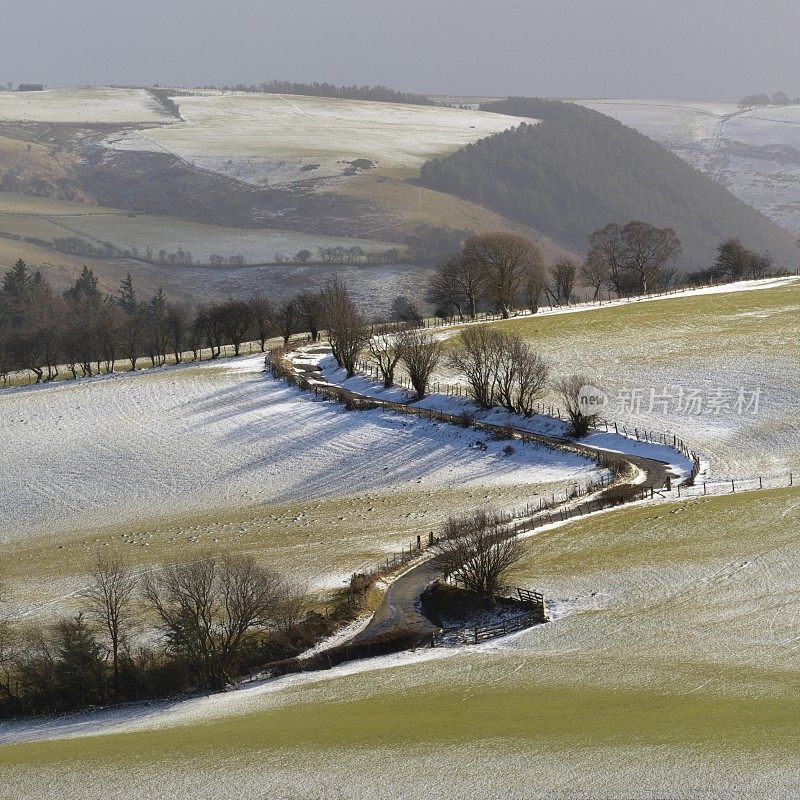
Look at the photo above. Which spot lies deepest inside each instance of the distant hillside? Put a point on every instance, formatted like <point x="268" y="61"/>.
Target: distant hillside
<point x="577" y="170"/>
<point x="753" y="153"/>
<point x="379" y="94"/>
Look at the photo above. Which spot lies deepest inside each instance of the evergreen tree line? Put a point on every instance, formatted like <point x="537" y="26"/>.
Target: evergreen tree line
<point x="87" y="332"/>
<point x="380" y="94"/>
<point x="575" y="169"/>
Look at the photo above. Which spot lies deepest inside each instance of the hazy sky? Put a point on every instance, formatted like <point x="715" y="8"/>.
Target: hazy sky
<point x="704" y="49"/>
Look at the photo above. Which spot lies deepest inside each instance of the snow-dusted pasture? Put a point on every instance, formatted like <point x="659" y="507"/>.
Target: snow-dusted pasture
<point x="672" y="646"/>
<point x="126" y="231"/>
<point x="279" y="139"/>
<point x="650" y="355"/>
<point x="168" y="462"/>
<point x="755" y="153"/>
<point x="82" y="105"/>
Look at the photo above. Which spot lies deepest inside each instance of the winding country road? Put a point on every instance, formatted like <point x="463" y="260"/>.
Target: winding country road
<point x="400" y="609"/>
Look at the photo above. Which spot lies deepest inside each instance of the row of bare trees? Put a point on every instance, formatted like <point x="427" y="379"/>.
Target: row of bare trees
<point x="500" y="368"/>
<point x="199" y="624"/>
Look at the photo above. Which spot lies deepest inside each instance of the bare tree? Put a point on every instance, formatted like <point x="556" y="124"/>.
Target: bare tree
<point x="563" y="274"/>
<point x="108" y="599"/>
<point x="521" y="376"/>
<point x="235" y="318"/>
<point x="534" y="284"/>
<point x="606" y="247"/>
<point x="477" y="551"/>
<point x="421" y="355"/>
<point x="500" y="368"/>
<point x="131" y="334"/>
<point x="471" y="279"/>
<point x="386" y="348"/>
<point x="263" y="317"/>
<point x="287" y="319"/>
<point x="569" y="389"/>
<point x="594" y="273"/>
<point x="347" y="329"/>
<point x="649" y="250"/>
<point x="760" y="265"/>
<point x="406" y="311"/>
<point x="445" y="291"/>
<point x="639" y="251"/>
<point x="312" y="309"/>
<point x="290" y="606"/>
<point x="476" y="355"/>
<point x="504" y="259"/>
<point x="210" y="609"/>
<point x="177" y="329"/>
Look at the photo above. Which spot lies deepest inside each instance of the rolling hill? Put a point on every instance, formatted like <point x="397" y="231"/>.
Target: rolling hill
<point x="754" y="153"/>
<point x="577" y="170"/>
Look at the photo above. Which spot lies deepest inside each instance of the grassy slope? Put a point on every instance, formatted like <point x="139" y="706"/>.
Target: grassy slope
<point x="318" y="541"/>
<point x="419" y="205"/>
<point x="685" y="651"/>
<point x="46" y="219"/>
<point x="319" y="499"/>
<point x="737" y="339"/>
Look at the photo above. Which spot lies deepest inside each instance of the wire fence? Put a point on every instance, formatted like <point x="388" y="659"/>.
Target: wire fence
<point x="664" y="438"/>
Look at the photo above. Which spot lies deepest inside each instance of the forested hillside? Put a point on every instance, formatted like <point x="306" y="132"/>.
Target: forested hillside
<point x="576" y="170"/>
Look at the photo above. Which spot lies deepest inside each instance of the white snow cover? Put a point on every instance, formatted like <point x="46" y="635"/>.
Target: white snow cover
<point x="539" y="423"/>
<point x="277" y="139"/>
<point x="191" y="438"/>
<point x="83" y="105"/>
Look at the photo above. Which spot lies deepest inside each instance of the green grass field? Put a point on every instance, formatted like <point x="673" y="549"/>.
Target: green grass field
<point x="686" y="647"/>
<point x="708" y="342"/>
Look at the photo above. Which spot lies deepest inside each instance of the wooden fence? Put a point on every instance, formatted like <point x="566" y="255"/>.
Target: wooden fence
<point x="733" y="485"/>
<point x="474" y="634"/>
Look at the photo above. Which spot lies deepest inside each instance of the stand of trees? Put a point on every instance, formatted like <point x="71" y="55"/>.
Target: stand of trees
<point x="213" y="619"/>
<point x="500" y="368"/>
<point x="763" y="100"/>
<point x="633" y="259"/>
<point x="479" y="552"/>
<point x="498" y="269"/>
<point x="735" y="262"/>
<point x="380" y="94"/>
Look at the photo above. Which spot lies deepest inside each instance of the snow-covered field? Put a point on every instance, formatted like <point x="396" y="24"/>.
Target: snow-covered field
<point x="82" y="105"/>
<point x="679" y="364"/>
<point x="755" y="153"/>
<point x="167" y="462"/>
<point x="280" y="139"/>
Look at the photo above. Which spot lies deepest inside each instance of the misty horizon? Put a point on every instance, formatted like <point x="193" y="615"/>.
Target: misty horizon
<point x="583" y="50"/>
